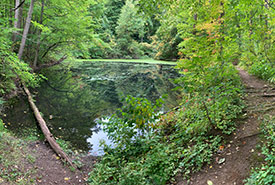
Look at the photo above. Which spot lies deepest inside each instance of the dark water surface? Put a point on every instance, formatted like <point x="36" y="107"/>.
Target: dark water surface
<point x="74" y="97"/>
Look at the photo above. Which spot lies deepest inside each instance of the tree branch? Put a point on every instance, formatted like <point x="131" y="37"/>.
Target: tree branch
<point x="14" y="9"/>
<point x="52" y="63"/>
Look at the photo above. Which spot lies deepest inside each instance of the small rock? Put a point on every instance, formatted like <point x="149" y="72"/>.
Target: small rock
<point x="209" y="182"/>
<point x="222" y="160"/>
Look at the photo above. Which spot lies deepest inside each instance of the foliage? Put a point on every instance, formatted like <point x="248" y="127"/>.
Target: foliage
<point x="264" y="70"/>
<point x="130" y="29"/>
<point x="122" y="31"/>
<point x="211" y="101"/>
<point x="10" y="66"/>
<point x="179" y="143"/>
<point x="266" y="174"/>
<point x="2" y="128"/>
<point x="152" y="161"/>
<point x="134" y="120"/>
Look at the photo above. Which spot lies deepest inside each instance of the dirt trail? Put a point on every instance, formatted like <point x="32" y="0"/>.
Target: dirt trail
<point x="240" y="153"/>
<point x="50" y="170"/>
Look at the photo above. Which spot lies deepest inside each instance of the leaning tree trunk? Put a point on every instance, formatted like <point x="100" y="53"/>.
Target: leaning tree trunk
<point x="49" y="137"/>
<point x="26" y="30"/>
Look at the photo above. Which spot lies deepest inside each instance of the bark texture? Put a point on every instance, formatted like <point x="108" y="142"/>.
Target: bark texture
<point x="26" y="30"/>
<point x="39" y="35"/>
<point x="16" y="17"/>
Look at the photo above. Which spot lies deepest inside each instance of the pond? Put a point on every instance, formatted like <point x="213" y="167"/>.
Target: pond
<point x="77" y="94"/>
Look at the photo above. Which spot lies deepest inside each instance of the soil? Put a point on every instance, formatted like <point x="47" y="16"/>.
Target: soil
<point x="241" y="152"/>
<point x="50" y="170"/>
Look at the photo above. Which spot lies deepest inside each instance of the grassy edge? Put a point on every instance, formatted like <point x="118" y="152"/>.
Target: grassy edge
<point x="141" y="61"/>
<point x="265" y="174"/>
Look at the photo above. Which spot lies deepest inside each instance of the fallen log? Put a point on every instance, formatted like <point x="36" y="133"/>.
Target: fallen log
<point x="268" y="95"/>
<point x="49" y="137"/>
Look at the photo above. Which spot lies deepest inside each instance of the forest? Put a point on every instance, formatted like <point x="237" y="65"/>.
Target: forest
<point x="183" y="90"/>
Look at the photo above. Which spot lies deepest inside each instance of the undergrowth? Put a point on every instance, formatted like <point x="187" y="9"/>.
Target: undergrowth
<point x="265" y="174"/>
<point x="264" y="70"/>
<point x="153" y="149"/>
<point x="14" y="159"/>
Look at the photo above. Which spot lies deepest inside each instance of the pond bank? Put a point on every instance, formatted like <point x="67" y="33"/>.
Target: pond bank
<point x="78" y="93"/>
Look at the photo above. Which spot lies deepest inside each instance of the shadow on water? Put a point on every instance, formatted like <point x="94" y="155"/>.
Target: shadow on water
<point x="73" y="97"/>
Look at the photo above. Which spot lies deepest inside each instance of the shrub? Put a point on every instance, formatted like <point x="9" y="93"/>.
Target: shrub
<point x="266" y="174"/>
<point x="211" y="100"/>
<point x="134" y="120"/>
<point x="264" y="70"/>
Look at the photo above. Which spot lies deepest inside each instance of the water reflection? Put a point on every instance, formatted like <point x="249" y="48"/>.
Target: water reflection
<point x="73" y="97"/>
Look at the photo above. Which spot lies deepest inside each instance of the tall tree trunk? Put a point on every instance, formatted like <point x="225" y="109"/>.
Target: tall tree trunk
<point x="38" y="35"/>
<point x="20" y="15"/>
<point x="26" y="30"/>
<point x="16" y="17"/>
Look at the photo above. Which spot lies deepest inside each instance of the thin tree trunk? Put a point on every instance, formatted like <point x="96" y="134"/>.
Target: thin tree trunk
<point x="39" y="35"/>
<point x="20" y="15"/>
<point x="26" y="30"/>
<point x="16" y="17"/>
<point x="49" y="137"/>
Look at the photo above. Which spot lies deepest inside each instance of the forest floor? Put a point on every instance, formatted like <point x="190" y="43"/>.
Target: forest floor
<point x="34" y="162"/>
<point x="50" y="170"/>
<point x="240" y="153"/>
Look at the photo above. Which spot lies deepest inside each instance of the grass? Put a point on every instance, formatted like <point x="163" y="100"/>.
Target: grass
<point x="142" y="61"/>
<point x="14" y="159"/>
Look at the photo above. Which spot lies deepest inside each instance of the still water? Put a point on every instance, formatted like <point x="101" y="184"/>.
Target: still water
<point x="75" y="96"/>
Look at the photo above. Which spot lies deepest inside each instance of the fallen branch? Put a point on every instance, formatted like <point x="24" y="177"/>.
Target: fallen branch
<point x="14" y="9"/>
<point x="49" y="137"/>
<point x="252" y="135"/>
<point x="268" y="95"/>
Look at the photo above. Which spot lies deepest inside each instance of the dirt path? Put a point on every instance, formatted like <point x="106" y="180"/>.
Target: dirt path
<point x="240" y="153"/>
<point x="50" y="170"/>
